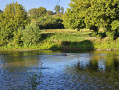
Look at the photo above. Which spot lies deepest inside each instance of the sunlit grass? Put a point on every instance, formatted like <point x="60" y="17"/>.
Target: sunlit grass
<point x="69" y="39"/>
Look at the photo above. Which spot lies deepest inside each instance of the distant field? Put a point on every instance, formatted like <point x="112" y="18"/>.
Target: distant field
<point x="68" y="30"/>
<point x="58" y="30"/>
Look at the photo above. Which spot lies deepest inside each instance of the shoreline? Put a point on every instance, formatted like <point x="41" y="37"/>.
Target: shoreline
<point x="60" y="49"/>
<point x="82" y="41"/>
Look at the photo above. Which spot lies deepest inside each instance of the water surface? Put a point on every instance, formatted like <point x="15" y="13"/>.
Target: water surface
<point x="53" y="70"/>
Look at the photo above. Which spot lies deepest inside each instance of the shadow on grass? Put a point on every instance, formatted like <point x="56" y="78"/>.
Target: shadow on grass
<point x="83" y="45"/>
<point x="45" y="36"/>
<point x="100" y="35"/>
<point x="116" y="35"/>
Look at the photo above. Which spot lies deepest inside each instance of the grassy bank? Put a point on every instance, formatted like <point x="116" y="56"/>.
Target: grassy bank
<point x="61" y="39"/>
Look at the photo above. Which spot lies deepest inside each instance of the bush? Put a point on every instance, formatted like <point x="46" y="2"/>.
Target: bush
<point x="5" y="36"/>
<point x="115" y="25"/>
<point x="17" y="41"/>
<point x="31" y="35"/>
<point x="50" y="23"/>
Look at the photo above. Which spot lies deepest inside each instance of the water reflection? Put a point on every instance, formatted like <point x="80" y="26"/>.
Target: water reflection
<point x="34" y="70"/>
<point x="99" y="62"/>
<point x="14" y="67"/>
<point x="98" y="67"/>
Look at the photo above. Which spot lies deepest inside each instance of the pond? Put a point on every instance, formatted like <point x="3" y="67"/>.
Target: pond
<point x="56" y="70"/>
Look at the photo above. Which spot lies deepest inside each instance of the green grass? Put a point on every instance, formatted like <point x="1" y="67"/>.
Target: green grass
<point x="56" y="40"/>
<point x="78" y="40"/>
<point x="69" y="39"/>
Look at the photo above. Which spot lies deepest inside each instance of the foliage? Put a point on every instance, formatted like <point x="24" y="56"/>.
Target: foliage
<point x="68" y="40"/>
<point x="4" y="36"/>
<point x="77" y="40"/>
<point x="92" y="14"/>
<point x="1" y="11"/>
<point x="57" y="9"/>
<point x="62" y="10"/>
<point x="31" y="35"/>
<point x="95" y="14"/>
<point x="101" y="35"/>
<point x="13" y="17"/>
<point x="37" y="12"/>
<point x="115" y="25"/>
<point x="110" y="34"/>
<point x="50" y="23"/>
<point x="58" y="15"/>
<point x="73" y="20"/>
<point x="46" y="19"/>
<point x="17" y="40"/>
<point x="49" y="12"/>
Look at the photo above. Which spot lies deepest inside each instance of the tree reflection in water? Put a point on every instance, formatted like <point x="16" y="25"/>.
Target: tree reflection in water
<point x="17" y="67"/>
<point x="98" y="69"/>
<point x="91" y="70"/>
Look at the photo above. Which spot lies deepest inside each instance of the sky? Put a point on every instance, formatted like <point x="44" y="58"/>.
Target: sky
<point x="29" y="4"/>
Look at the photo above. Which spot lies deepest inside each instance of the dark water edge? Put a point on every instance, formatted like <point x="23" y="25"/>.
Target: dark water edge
<point x="62" y="49"/>
<point x="56" y="70"/>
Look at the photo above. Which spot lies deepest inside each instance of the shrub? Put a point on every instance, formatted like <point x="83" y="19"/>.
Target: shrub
<point x="50" y="23"/>
<point x="17" y="37"/>
<point x="31" y="35"/>
<point x="115" y="25"/>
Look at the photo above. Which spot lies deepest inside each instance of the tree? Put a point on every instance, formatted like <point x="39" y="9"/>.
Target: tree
<point x="41" y="11"/>
<point x="31" y="35"/>
<point x="49" y="22"/>
<point x="94" y="13"/>
<point x="1" y="11"/>
<point x="13" y="17"/>
<point x="49" y="12"/>
<point x="74" y="18"/>
<point x="103" y="14"/>
<point x="115" y="25"/>
<point x="57" y="9"/>
<point x="62" y="10"/>
<point x="17" y="39"/>
<point x="37" y="12"/>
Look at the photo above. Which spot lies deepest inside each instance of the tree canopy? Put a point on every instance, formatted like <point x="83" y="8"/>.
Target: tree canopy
<point x="94" y="14"/>
<point x="62" y="10"/>
<point x="0" y="10"/>
<point x="13" y="17"/>
<point x="57" y="9"/>
<point x="49" y="12"/>
<point x="37" y="12"/>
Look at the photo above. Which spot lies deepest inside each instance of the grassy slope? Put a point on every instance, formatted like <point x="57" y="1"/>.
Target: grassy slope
<point x="68" y="39"/>
<point x="61" y="39"/>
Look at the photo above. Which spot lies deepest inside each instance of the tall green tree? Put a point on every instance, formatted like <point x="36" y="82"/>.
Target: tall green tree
<point x="57" y="9"/>
<point x="94" y="13"/>
<point x="101" y="14"/>
<point x="49" y="22"/>
<point x="37" y="12"/>
<point x="74" y="18"/>
<point x="1" y="11"/>
<point x="62" y="10"/>
<point x="31" y="35"/>
<point x="13" y="17"/>
<point x="49" y="12"/>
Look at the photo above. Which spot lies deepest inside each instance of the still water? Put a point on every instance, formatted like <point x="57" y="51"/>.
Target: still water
<point x="52" y="70"/>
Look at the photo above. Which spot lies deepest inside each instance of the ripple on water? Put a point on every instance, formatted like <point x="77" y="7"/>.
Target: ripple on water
<point x="85" y="71"/>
